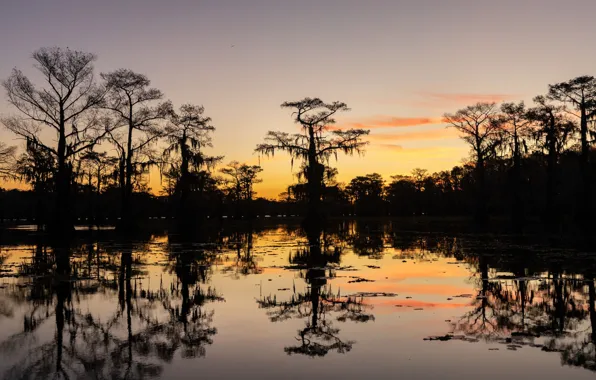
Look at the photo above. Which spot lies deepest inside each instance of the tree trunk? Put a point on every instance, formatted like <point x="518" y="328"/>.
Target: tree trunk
<point x="551" y="209"/>
<point x="585" y="200"/>
<point x="481" y="194"/>
<point x="62" y="214"/>
<point x="517" y="212"/>
<point x="184" y="212"/>
<point x="126" y="218"/>
<point x="314" y="177"/>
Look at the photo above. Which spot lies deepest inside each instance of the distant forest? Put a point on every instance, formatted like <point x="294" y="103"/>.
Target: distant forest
<point x="89" y="142"/>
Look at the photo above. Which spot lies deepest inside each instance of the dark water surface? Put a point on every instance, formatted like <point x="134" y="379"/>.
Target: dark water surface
<point x="363" y="300"/>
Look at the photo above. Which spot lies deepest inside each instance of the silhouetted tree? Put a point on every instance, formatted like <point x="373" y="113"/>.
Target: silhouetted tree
<point x="98" y="165"/>
<point x="366" y="193"/>
<point x="419" y="177"/>
<point x="401" y="194"/>
<point x="241" y="179"/>
<point x="67" y="106"/>
<point x="316" y="145"/>
<point x="580" y="92"/>
<point x="187" y="133"/>
<point x="130" y="99"/>
<point x="552" y="134"/>
<point x="515" y="130"/>
<point x="94" y="175"/>
<point x="38" y="168"/>
<point x="479" y="127"/>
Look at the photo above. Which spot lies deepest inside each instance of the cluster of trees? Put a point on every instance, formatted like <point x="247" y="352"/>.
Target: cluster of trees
<point x="533" y="163"/>
<point x="99" y="137"/>
<point x="528" y="162"/>
<point x="557" y="126"/>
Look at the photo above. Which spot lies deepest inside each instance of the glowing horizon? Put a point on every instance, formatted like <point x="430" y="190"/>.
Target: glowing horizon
<point x="399" y="65"/>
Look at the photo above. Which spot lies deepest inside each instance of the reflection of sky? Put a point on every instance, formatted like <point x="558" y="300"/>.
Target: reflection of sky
<point x="247" y="345"/>
<point x="386" y="59"/>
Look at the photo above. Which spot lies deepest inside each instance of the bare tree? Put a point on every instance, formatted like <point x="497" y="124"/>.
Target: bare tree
<point x="316" y="145"/>
<point x="479" y="126"/>
<point x="130" y="98"/>
<point x="580" y="93"/>
<point x="67" y="105"/>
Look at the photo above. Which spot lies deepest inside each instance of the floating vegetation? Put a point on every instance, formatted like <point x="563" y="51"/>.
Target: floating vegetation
<point x="374" y="294"/>
<point x="360" y="279"/>
<point x="448" y="337"/>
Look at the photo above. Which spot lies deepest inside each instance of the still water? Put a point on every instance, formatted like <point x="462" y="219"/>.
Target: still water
<point x="362" y="300"/>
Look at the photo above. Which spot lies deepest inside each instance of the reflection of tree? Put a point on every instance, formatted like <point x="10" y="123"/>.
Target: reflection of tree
<point x="550" y="312"/>
<point x="482" y="319"/>
<point x="367" y="240"/>
<point x="146" y="329"/>
<point x="316" y="304"/>
<point x="245" y="262"/>
<point x="49" y="357"/>
<point x="581" y="352"/>
<point x="522" y="306"/>
<point x="191" y="325"/>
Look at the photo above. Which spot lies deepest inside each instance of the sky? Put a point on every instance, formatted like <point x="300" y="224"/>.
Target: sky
<point x="398" y="64"/>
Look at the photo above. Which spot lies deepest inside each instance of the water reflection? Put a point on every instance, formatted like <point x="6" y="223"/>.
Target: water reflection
<point x="104" y="307"/>
<point x="537" y="298"/>
<point x="245" y="262"/>
<point x="74" y="288"/>
<point x="317" y="305"/>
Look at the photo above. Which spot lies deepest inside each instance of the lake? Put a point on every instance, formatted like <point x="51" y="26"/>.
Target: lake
<point x="361" y="300"/>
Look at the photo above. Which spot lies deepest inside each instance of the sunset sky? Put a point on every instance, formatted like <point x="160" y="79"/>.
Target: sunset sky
<point x="399" y="65"/>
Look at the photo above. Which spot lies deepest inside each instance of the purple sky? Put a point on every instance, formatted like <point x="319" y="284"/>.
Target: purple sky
<point x="388" y="60"/>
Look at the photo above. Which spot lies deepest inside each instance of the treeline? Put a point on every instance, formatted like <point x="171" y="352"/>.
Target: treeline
<point x="446" y="193"/>
<point x="89" y="145"/>
<point x="91" y="142"/>
<point x="533" y="165"/>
